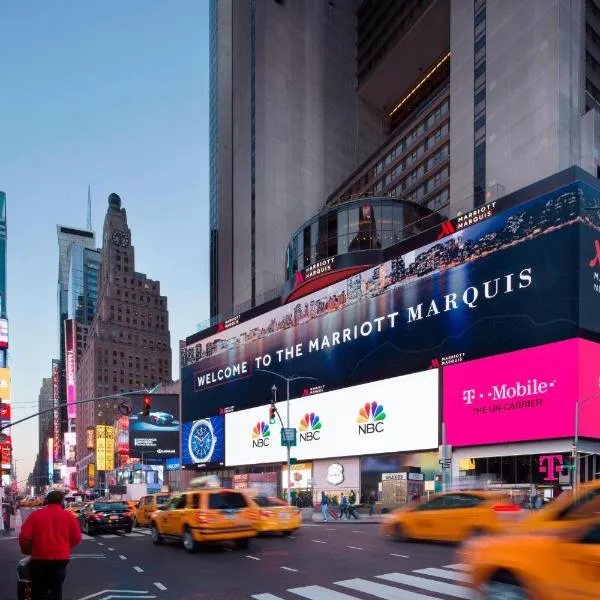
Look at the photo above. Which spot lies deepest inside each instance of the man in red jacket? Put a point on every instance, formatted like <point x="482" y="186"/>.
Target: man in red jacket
<point x="48" y="536"/>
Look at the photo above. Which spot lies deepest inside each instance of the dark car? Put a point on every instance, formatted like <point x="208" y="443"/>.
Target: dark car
<point x="157" y="418"/>
<point x="105" y="516"/>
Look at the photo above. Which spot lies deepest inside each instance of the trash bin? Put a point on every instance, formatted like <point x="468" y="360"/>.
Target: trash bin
<point x="23" y="580"/>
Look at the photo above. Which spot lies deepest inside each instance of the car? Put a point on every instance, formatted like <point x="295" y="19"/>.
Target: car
<point x="208" y="515"/>
<point x="551" y="565"/>
<point x="277" y="516"/>
<point x="452" y="516"/>
<point x="148" y="505"/>
<point x="105" y="516"/>
<point x="161" y="419"/>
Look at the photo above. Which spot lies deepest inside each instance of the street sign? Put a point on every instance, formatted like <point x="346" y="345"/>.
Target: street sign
<point x="288" y="436"/>
<point x="445" y="464"/>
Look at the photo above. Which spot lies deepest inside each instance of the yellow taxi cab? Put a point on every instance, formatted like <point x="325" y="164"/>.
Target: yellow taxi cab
<point x="452" y="516"/>
<point x="277" y="516"/>
<point x="580" y="505"/>
<point x="76" y="507"/>
<point x="206" y="513"/>
<point x="559" y="565"/>
<point x="146" y="506"/>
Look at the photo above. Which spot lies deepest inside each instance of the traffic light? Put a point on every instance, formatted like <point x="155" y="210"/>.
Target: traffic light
<point x="272" y="414"/>
<point x="147" y="405"/>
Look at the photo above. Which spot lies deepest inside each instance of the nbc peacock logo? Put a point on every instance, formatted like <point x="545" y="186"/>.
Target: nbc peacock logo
<point x="261" y="435"/>
<point x="370" y="418"/>
<point x="310" y="427"/>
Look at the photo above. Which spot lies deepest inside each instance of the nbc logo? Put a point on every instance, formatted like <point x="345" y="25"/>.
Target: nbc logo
<point x="260" y="435"/>
<point x="370" y="418"/>
<point x="309" y="427"/>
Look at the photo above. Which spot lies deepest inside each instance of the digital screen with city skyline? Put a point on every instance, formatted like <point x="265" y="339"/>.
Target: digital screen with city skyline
<point x="500" y="285"/>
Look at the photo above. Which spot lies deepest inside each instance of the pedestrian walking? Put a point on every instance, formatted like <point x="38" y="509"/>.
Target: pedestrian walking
<point x="324" y="506"/>
<point x="7" y="512"/>
<point x="372" y="501"/>
<point x="48" y="535"/>
<point x="344" y="506"/>
<point x="352" y="506"/>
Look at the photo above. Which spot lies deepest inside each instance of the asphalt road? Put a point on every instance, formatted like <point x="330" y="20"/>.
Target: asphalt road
<point x="320" y="562"/>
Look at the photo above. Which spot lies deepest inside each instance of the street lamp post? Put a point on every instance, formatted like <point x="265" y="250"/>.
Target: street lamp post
<point x="274" y="390"/>
<point x="578" y="403"/>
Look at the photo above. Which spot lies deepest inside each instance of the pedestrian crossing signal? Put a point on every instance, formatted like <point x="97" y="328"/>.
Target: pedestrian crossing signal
<point x="272" y="414"/>
<point x="147" y="405"/>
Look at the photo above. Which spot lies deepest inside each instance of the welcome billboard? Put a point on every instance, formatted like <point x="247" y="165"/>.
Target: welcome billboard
<point x="71" y="368"/>
<point x="525" y="395"/>
<point x="499" y="285"/>
<point x="392" y="415"/>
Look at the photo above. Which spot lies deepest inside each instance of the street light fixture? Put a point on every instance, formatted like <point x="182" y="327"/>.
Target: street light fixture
<point x="578" y="403"/>
<point x="274" y="400"/>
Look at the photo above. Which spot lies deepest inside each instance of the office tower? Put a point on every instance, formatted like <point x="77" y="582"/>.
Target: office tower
<point x="45" y="428"/>
<point x="286" y="126"/>
<point x="128" y="342"/>
<point x="6" y="458"/>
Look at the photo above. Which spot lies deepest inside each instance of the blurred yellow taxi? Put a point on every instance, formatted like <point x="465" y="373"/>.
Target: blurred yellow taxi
<point x="576" y="506"/>
<point x="452" y="516"/>
<point x="562" y="565"/>
<point x="146" y="506"/>
<point x="76" y="507"/>
<point x="277" y="516"/>
<point x="206" y="514"/>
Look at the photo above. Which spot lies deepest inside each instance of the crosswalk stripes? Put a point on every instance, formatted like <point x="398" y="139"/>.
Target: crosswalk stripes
<point x="135" y="533"/>
<point x="433" y="583"/>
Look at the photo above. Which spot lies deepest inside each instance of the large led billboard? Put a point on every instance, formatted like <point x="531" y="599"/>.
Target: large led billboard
<point x="70" y="445"/>
<point x="4" y="384"/>
<point x="155" y="435"/>
<point x="525" y="395"/>
<point x="71" y="368"/>
<point x="496" y="286"/>
<point x="56" y="412"/>
<point x="203" y="442"/>
<point x="393" y="415"/>
<point x="105" y="447"/>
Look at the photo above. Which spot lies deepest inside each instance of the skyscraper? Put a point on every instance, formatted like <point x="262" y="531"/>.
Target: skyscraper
<point x="285" y="128"/>
<point x="128" y="344"/>
<point x="45" y="429"/>
<point x="6" y="462"/>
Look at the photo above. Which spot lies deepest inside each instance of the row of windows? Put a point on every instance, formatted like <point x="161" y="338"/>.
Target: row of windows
<point x="414" y="176"/>
<point x="429" y="186"/>
<point x="479" y="102"/>
<point x="405" y="143"/>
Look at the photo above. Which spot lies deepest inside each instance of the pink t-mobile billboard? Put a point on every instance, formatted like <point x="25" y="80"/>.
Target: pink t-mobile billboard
<point x="524" y="395"/>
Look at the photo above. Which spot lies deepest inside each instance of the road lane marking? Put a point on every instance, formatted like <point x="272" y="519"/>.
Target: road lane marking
<point x="266" y="597"/>
<point x="356" y="531"/>
<point x="84" y="536"/>
<point x="88" y="556"/>
<point x="160" y="586"/>
<point x="110" y="535"/>
<point x="316" y="592"/>
<point x="354" y="547"/>
<point x="132" y="535"/>
<point x="458" y="567"/>
<point x="112" y="549"/>
<point x="429" y="585"/>
<point x="122" y="557"/>
<point x="331" y="529"/>
<point x="309" y="525"/>
<point x="290" y="569"/>
<point x="118" y="592"/>
<point x="387" y="592"/>
<point x="442" y="574"/>
<point x="138" y="569"/>
<point x="100" y="544"/>
<point x="252" y="557"/>
<point x="319" y="542"/>
<point x="400" y="555"/>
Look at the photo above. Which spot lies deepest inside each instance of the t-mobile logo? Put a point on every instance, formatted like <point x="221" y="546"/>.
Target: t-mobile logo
<point x="469" y="396"/>
<point x="551" y="466"/>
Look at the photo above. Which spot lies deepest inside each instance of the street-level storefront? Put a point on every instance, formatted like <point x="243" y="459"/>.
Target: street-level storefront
<point x="336" y="476"/>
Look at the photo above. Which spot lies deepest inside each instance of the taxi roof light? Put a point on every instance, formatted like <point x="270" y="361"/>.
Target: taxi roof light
<point x="209" y="481"/>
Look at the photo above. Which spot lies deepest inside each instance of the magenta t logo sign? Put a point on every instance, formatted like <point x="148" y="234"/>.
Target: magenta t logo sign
<point x="551" y="465"/>
<point x="468" y="396"/>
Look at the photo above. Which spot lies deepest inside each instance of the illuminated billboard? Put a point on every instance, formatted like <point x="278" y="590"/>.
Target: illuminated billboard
<point x="56" y="411"/>
<point x="4" y="411"/>
<point x="70" y="446"/>
<point x="203" y="442"/>
<point x="475" y="292"/>
<point x="71" y="367"/>
<point x="90" y="438"/>
<point x="157" y="434"/>
<point x="393" y="415"/>
<point x="4" y="384"/>
<point x="91" y="475"/>
<point x="105" y="447"/>
<point x="5" y="452"/>
<point x="3" y="333"/>
<point x="122" y="436"/>
<point x="50" y="447"/>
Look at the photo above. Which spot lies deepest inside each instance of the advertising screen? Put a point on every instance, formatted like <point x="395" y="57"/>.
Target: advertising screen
<point x="157" y="434"/>
<point x="4" y="411"/>
<point x="90" y="438"/>
<point x="50" y="448"/>
<point x="5" y="454"/>
<point x="393" y="415"/>
<point x="70" y="443"/>
<point x="56" y="411"/>
<point x="479" y="291"/>
<point x="4" y="384"/>
<point x="203" y="441"/>
<point x="524" y="395"/>
<point x="3" y="333"/>
<point x="91" y="475"/>
<point x="71" y="367"/>
<point x="105" y="447"/>
<point x="123" y="435"/>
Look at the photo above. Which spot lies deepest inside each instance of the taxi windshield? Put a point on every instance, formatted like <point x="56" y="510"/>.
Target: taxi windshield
<point x="161" y="500"/>
<point x="109" y="506"/>
<point x="265" y="501"/>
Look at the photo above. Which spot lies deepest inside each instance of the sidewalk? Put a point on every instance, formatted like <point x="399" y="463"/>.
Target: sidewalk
<point x="362" y="519"/>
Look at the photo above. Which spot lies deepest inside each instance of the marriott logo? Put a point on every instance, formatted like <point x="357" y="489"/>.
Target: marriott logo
<point x="508" y="391"/>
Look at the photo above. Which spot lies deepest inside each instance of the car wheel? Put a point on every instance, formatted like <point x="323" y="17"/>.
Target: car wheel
<point x="155" y="535"/>
<point x="88" y="529"/>
<point x="400" y="534"/>
<point x="129" y="530"/>
<point x="242" y="544"/>
<point x="287" y="532"/>
<point x="189" y="543"/>
<point x="503" y="586"/>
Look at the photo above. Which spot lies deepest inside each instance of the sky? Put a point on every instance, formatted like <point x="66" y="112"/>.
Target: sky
<point x="114" y="95"/>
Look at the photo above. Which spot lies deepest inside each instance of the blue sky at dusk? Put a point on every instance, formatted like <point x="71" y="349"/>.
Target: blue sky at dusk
<point x="115" y="95"/>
